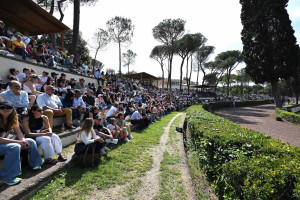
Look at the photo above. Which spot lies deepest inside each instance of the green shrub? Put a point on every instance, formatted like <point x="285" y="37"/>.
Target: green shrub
<point x="227" y="104"/>
<point x="288" y="116"/>
<point x="242" y="163"/>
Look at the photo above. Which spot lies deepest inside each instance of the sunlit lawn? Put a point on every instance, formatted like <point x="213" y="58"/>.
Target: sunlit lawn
<point x="124" y="163"/>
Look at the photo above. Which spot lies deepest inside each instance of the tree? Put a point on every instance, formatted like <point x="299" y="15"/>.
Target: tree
<point x="294" y="80"/>
<point x="51" y="5"/>
<point x="167" y="32"/>
<point x="216" y="73"/>
<point x="202" y="55"/>
<point x="121" y="32"/>
<point x="229" y="60"/>
<point x="76" y="22"/>
<point x="186" y="45"/>
<point x="269" y="43"/>
<point x="100" y="40"/>
<point x="243" y="78"/>
<point x="159" y="53"/>
<point x="128" y="58"/>
<point x="98" y="64"/>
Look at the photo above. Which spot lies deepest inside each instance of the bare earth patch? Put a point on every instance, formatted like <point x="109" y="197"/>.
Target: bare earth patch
<point x="262" y="118"/>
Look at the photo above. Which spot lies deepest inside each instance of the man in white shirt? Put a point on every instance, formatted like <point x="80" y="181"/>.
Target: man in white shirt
<point x="23" y="77"/>
<point x="113" y="111"/>
<point x="43" y="79"/>
<point x="136" y="118"/>
<point x="26" y="38"/>
<point x="53" y="107"/>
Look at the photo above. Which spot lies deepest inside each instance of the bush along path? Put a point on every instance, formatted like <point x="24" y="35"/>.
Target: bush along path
<point x="152" y="166"/>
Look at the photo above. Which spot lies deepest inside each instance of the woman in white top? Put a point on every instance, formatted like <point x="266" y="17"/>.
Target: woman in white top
<point x="87" y="136"/>
<point x="29" y="86"/>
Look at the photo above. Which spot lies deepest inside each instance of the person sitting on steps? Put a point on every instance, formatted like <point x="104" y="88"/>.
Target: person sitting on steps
<point x="45" y="138"/>
<point x="53" y="107"/>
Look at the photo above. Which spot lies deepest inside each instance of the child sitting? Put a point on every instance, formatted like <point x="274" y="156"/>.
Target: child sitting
<point x="124" y="127"/>
<point x="115" y="130"/>
<point x="104" y="133"/>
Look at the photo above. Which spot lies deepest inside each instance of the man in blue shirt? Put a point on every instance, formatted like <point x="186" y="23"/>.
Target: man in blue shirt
<point x="17" y="97"/>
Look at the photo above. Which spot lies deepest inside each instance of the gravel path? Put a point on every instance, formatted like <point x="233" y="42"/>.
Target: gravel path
<point x="262" y="118"/>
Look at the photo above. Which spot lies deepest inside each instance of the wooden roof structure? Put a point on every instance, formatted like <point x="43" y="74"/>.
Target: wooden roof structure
<point x="26" y="15"/>
<point x="142" y="76"/>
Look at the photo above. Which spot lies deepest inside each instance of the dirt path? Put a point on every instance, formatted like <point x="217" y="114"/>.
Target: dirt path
<point x="148" y="186"/>
<point x="262" y="118"/>
<point x="150" y="183"/>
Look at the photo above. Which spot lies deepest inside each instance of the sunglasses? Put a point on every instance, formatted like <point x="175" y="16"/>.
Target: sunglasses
<point x="39" y="110"/>
<point x="6" y="107"/>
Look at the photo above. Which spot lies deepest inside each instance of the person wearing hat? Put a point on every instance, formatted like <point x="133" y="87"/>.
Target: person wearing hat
<point x="136" y="118"/>
<point x="19" y="47"/>
<point x="58" y="57"/>
<point x="69" y="61"/>
<point x="12" y="142"/>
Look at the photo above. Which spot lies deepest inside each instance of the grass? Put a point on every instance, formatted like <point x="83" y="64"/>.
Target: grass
<point x="171" y="183"/>
<point x="202" y="186"/>
<point x="124" y="164"/>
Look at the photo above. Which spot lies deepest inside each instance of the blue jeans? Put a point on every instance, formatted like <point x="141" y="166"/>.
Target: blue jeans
<point x="23" y="52"/>
<point x="12" y="165"/>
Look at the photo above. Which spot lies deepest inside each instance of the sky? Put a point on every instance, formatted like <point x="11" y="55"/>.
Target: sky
<point x="218" y="20"/>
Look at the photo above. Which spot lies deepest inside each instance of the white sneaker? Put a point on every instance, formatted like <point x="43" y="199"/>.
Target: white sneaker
<point x="126" y="140"/>
<point x="106" y="149"/>
<point x="130" y="137"/>
<point x="102" y="152"/>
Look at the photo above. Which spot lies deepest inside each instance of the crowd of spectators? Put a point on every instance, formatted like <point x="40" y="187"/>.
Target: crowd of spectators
<point x="43" y="53"/>
<point x="106" y="114"/>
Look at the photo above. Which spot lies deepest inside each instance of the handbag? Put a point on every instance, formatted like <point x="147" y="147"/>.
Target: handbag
<point x="89" y="159"/>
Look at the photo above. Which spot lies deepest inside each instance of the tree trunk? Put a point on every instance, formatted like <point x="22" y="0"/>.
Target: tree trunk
<point x="76" y="21"/>
<point x="190" y="77"/>
<point x="163" y="76"/>
<point x="276" y="94"/>
<point x="187" y="69"/>
<point x="60" y="10"/>
<point x="128" y="69"/>
<point x="120" y="60"/>
<point x="52" y="36"/>
<point x="94" y="61"/>
<point x="198" y="71"/>
<point x="228" y="83"/>
<point x="170" y="73"/>
<point x="53" y="40"/>
<point x="181" y="66"/>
